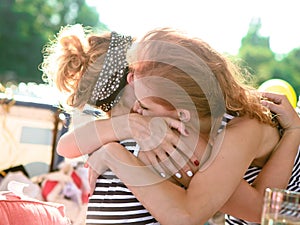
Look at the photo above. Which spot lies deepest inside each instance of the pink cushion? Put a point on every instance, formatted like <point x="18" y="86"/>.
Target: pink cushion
<point x="16" y="210"/>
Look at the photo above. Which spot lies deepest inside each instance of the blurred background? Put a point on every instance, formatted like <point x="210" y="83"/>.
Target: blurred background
<point x="261" y="34"/>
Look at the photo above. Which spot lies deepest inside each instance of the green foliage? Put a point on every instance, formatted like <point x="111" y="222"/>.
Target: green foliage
<point x="27" y="25"/>
<point x="289" y="69"/>
<point x="263" y="63"/>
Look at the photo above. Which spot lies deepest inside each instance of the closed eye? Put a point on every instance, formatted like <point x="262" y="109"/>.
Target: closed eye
<point x="142" y="106"/>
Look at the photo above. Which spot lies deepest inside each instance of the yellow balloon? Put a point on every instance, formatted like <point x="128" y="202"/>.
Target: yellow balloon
<point x="281" y="87"/>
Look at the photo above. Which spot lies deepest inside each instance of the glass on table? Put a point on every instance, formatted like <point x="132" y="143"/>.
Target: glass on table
<point x="281" y="207"/>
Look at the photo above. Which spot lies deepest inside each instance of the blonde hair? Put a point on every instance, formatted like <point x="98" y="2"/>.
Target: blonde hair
<point x="73" y="60"/>
<point x="214" y="83"/>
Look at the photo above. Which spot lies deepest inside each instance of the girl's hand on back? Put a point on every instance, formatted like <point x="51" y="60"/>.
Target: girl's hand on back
<point x="286" y="114"/>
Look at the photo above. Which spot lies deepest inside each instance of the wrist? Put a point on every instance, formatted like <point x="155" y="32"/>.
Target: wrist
<point x="121" y="127"/>
<point x="292" y="129"/>
<point x="293" y="132"/>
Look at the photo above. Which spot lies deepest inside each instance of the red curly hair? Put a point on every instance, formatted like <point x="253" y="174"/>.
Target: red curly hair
<point x="209" y="78"/>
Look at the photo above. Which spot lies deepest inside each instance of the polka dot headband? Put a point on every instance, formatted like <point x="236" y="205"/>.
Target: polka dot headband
<point x="112" y="77"/>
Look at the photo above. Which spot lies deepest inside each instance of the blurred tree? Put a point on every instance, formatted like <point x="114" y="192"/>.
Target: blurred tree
<point x="289" y="69"/>
<point x="264" y="64"/>
<point x="26" y="26"/>
<point x="256" y="53"/>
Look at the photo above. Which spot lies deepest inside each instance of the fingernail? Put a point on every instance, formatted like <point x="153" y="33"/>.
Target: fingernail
<point x="189" y="173"/>
<point x="178" y="175"/>
<point x="196" y="162"/>
<point x="264" y="103"/>
<point x="181" y="116"/>
<point x="162" y="174"/>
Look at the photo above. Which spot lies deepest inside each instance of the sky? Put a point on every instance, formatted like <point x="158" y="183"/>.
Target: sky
<point x="221" y="23"/>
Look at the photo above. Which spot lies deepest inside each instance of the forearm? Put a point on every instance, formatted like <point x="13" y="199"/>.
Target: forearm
<point x="277" y="171"/>
<point x="245" y="203"/>
<point x="90" y="136"/>
<point x="86" y="138"/>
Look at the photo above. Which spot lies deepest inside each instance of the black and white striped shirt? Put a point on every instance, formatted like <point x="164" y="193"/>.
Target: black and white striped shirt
<point x="113" y="203"/>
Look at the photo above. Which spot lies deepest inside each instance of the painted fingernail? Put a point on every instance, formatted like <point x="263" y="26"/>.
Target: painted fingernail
<point x="189" y="173"/>
<point x="196" y="162"/>
<point x="162" y="174"/>
<point x="263" y="102"/>
<point x="178" y="175"/>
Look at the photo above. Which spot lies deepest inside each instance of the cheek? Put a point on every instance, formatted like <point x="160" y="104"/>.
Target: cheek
<point x="167" y="112"/>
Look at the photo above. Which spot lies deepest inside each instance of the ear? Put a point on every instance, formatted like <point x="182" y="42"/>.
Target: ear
<point x="184" y="115"/>
<point x="130" y="78"/>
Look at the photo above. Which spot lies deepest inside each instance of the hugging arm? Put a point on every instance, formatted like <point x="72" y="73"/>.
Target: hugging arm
<point x="85" y="138"/>
<point x="90" y="136"/>
<point x="208" y="189"/>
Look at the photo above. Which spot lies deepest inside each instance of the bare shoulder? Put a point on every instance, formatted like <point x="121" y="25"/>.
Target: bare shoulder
<point x="263" y="137"/>
<point x="246" y="124"/>
<point x="252" y="132"/>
